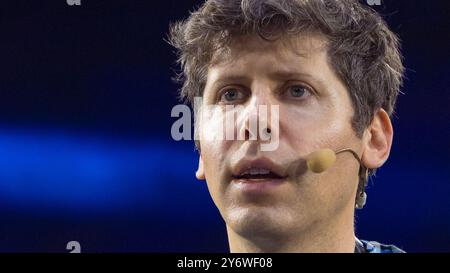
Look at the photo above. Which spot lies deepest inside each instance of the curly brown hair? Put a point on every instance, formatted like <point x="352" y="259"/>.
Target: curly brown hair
<point x="361" y="49"/>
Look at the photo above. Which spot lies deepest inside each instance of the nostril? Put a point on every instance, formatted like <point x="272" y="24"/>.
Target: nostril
<point x="267" y="132"/>
<point x="247" y="135"/>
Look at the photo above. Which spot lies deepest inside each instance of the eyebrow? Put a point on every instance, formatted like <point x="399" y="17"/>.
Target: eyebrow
<point x="283" y="75"/>
<point x="280" y="75"/>
<point x="230" y="78"/>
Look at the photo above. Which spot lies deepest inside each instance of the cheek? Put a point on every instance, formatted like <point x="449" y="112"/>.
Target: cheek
<point x="213" y="164"/>
<point x="307" y="130"/>
<point x="214" y="126"/>
<point x="213" y="151"/>
<point x="213" y="158"/>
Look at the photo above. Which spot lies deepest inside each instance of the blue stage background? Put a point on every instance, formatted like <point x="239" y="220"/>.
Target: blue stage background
<point x="85" y="146"/>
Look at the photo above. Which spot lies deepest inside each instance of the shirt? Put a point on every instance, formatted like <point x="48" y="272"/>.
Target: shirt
<point x="363" y="246"/>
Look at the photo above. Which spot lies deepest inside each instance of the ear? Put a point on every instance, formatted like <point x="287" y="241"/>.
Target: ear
<point x="200" y="173"/>
<point x="377" y="140"/>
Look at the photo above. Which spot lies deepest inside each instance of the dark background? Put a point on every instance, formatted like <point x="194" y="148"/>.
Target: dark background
<point x="86" y="152"/>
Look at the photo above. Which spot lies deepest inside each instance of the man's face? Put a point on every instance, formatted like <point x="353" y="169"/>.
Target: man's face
<point x="314" y="112"/>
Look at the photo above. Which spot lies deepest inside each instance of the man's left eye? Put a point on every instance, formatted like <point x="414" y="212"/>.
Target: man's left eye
<point x="298" y="91"/>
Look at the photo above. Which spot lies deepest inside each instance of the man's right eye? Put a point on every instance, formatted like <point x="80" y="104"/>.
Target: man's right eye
<point x="231" y="95"/>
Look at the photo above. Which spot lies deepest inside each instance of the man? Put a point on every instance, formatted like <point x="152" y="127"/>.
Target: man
<point x="332" y="70"/>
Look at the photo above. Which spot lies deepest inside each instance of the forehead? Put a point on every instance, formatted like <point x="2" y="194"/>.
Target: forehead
<point x="286" y="50"/>
<point x="249" y="57"/>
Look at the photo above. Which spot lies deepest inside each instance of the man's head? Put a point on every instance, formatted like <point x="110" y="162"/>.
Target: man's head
<point x="334" y="70"/>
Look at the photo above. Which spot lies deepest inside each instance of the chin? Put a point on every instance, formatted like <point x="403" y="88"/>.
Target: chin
<point x="258" y="221"/>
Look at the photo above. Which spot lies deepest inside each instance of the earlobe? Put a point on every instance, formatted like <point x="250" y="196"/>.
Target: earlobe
<point x="200" y="173"/>
<point x="377" y="140"/>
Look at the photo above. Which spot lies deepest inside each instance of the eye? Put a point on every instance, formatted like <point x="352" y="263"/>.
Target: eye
<point x="231" y="95"/>
<point x="298" y="91"/>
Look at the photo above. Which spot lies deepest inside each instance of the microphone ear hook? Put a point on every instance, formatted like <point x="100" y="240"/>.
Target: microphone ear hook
<point x="352" y="152"/>
<point x="363" y="175"/>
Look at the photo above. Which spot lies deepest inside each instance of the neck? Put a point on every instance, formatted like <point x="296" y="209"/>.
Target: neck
<point x="332" y="236"/>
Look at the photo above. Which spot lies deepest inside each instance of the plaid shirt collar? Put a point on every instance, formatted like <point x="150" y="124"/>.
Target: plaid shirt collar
<point x="363" y="246"/>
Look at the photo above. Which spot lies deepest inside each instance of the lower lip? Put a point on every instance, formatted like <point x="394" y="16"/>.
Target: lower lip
<point x="257" y="185"/>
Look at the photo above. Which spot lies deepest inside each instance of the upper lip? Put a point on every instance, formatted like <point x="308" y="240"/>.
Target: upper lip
<point x="246" y="164"/>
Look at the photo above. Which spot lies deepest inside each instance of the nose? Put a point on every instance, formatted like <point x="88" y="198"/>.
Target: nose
<point x="258" y="118"/>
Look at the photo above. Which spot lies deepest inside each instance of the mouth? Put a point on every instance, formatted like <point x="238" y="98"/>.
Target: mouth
<point x="254" y="173"/>
<point x="257" y="175"/>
